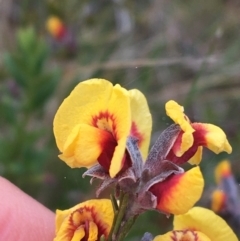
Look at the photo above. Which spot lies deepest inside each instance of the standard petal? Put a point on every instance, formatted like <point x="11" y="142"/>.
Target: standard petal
<point x="141" y="120"/>
<point x="212" y="137"/>
<point x="182" y="235"/>
<point x="120" y="124"/>
<point x="178" y="193"/>
<point x="86" y="100"/>
<point x="205" y="221"/>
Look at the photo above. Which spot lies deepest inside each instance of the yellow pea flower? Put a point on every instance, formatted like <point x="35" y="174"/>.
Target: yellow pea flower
<point x="86" y="221"/>
<point x="189" y="143"/>
<point x="92" y="125"/>
<point x="198" y="224"/>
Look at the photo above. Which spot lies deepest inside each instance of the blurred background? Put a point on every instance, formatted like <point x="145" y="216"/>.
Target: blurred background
<point x="188" y="51"/>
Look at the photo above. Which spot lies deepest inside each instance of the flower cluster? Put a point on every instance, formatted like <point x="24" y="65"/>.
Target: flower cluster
<point x="107" y="130"/>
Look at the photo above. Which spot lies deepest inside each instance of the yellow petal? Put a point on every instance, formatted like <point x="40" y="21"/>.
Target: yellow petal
<point x="78" y="234"/>
<point x="93" y="232"/>
<point x="85" y="101"/>
<point x="176" y="113"/>
<point x="94" y="110"/>
<point x="196" y="159"/>
<point x="181" y="192"/>
<point x="98" y="213"/>
<point x="84" y="145"/>
<point x="54" y="25"/>
<point x="205" y="221"/>
<point x="141" y="120"/>
<point x="223" y="169"/>
<point x="185" y="235"/>
<point x="119" y="104"/>
<point x="213" y="137"/>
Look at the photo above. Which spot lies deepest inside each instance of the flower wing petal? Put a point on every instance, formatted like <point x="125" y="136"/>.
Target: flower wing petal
<point x="119" y="104"/>
<point x="84" y="145"/>
<point x="141" y="120"/>
<point x="205" y="221"/>
<point x="178" y="193"/>
<point x="211" y="136"/>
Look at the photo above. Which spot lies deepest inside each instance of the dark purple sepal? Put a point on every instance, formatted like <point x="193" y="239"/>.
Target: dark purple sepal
<point x="162" y="146"/>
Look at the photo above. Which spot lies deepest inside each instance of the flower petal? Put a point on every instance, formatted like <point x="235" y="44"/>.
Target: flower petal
<point x="84" y="145"/>
<point x="94" y="103"/>
<point x="93" y="232"/>
<point x="223" y="169"/>
<point x="180" y="235"/>
<point x="212" y="137"/>
<point x="205" y="221"/>
<point x="93" y="217"/>
<point x="218" y="201"/>
<point x="86" y="99"/>
<point x="56" y="27"/>
<point x="196" y="159"/>
<point x="78" y="234"/>
<point x="178" y="193"/>
<point x="176" y="113"/>
<point x="141" y="120"/>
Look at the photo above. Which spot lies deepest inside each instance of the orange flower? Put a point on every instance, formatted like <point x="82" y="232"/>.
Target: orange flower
<point x="93" y="123"/>
<point x="86" y="221"/>
<point x="56" y="27"/>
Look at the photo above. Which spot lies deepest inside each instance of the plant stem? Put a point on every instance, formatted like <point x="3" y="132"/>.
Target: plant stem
<point x="120" y="215"/>
<point x="125" y="229"/>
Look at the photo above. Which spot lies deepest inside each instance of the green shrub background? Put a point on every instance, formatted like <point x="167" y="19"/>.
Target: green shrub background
<point x="188" y="51"/>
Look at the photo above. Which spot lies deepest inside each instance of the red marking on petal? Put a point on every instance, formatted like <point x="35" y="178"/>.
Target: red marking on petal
<point x="162" y="188"/>
<point x="61" y="32"/>
<point x="108" y="117"/>
<point x="198" y="140"/>
<point x="185" y="236"/>
<point x="108" y="144"/>
<point x="126" y="162"/>
<point x="106" y="122"/>
<point x="135" y="132"/>
<point x="88" y="214"/>
<point x="199" y="134"/>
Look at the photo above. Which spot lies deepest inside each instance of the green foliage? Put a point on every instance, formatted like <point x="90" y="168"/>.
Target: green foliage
<point x="24" y="97"/>
<point x="27" y="65"/>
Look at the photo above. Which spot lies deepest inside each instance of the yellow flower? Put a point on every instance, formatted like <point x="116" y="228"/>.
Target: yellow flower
<point x="223" y="170"/>
<point x="92" y="125"/>
<point x="56" y="27"/>
<point x="86" y="221"/>
<point x="198" y="224"/>
<point x="188" y="145"/>
<point x="218" y="202"/>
